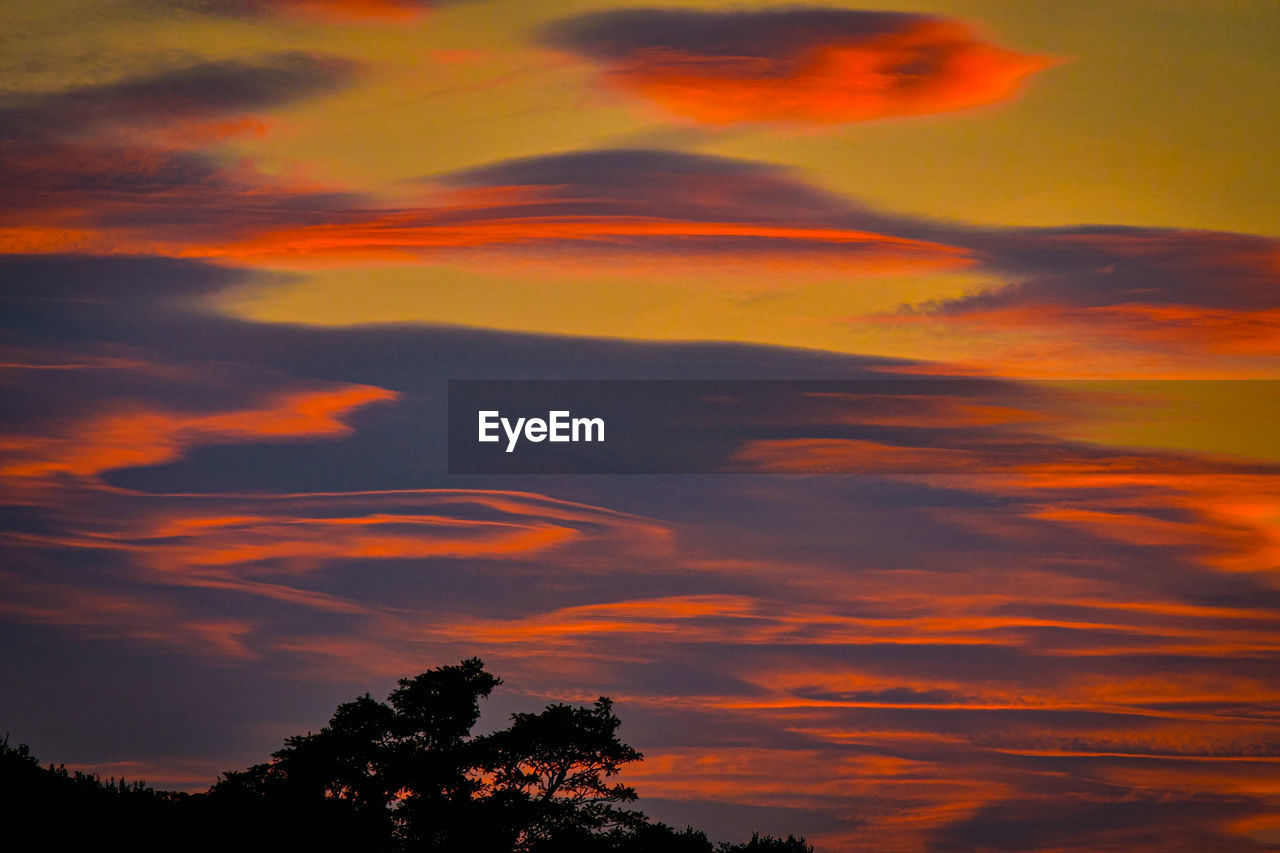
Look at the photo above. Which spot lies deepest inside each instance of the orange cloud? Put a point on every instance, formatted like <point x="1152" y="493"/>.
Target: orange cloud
<point x="923" y="410"/>
<point x="264" y="545"/>
<point x="1232" y="522"/>
<point x="137" y="436"/>
<point x="913" y="797"/>
<point x="232" y="541"/>
<point x="356" y="10"/>
<point x="408" y="236"/>
<point x="292" y="536"/>
<point x="146" y="619"/>
<point x="1126" y="339"/>
<point x="1155" y="301"/>
<point x="737" y="773"/>
<point x="845" y="456"/>
<point x="804" y="65"/>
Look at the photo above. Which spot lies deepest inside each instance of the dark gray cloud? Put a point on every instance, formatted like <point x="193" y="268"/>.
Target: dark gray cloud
<point x="1105" y="266"/>
<point x="782" y="35"/>
<point x="667" y="184"/>
<point x="206" y="90"/>
<point x="377" y="9"/>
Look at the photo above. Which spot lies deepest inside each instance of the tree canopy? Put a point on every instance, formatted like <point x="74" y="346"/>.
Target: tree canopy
<point x="407" y="774"/>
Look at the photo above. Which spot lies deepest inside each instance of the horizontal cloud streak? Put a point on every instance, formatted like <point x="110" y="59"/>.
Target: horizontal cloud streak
<point x="336" y="10"/>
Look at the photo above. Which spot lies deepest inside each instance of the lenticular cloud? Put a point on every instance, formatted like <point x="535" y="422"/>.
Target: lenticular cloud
<point x="819" y="66"/>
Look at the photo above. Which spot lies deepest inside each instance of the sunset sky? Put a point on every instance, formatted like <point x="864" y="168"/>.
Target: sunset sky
<point x="244" y="244"/>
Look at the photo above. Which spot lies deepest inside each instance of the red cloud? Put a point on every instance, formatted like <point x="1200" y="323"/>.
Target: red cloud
<point x="139" y="436"/>
<point x="337" y="10"/>
<point x="356" y="10"/>
<point x="410" y="235"/>
<point x="815" y="66"/>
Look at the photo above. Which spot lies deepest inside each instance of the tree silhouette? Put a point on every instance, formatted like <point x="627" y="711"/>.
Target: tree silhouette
<point x="550" y="772"/>
<point x="403" y="775"/>
<point x="397" y="772"/>
<point x="432" y="785"/>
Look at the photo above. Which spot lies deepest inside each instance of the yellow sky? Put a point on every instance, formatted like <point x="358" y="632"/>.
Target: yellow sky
<point x="1164" y="115"/>
<point x="1161" y="114"/>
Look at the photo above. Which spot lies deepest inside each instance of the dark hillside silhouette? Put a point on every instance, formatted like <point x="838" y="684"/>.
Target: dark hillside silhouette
<point x="404" y="775"/>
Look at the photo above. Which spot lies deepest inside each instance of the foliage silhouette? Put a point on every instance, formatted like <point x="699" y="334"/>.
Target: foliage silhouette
<point x="551" y="771"/>
<point x="50" y="808"/>
<point x="404" y="775"/>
